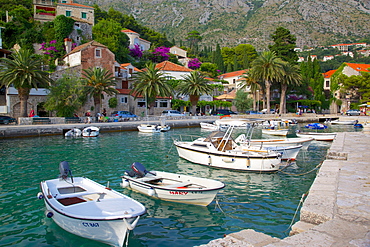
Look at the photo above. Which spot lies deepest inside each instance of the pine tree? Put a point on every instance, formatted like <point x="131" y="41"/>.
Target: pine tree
<point x="285" y="42"/>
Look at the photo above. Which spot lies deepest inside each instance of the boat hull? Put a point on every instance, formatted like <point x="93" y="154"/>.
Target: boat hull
<point x="90" y="132"/>
<point x="282" y="132"/>
<point x="178" y="190"/>
<point x="90" y="210"/>
<point x="318" y="136"/>
<point x="229" y="160"/>
<point x="112" y="232"/>
<point x="145" y="128"/>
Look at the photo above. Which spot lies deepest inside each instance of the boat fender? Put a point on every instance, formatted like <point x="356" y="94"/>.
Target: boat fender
<point x="40" y="195"/>
<point x="49" y="214"/>
<point x="125" y="184"/>
<point x="209" y="160"/>
<point x="151" y="192"/>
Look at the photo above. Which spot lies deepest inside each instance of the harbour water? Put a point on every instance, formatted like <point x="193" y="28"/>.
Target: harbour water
<point x="263" y="202"/>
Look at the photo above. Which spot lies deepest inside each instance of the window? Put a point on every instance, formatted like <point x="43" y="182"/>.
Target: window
<point x="78" y="38"/>
<point x="124" y="100"/>
<point x="141" y="103"/>
<point x="68" y="13"/>
<point x="163" y="103"/>
<point x="83" y="15"/>
<point x="97" y="53"/>
<point x="327" y="84"/>
<point x="77" y="25"/>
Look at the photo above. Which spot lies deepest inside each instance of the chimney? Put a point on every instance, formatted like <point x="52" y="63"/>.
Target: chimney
<point x="68" y="45"/>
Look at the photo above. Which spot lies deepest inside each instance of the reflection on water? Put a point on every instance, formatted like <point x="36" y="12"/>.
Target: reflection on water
<point x="263" y="202"/>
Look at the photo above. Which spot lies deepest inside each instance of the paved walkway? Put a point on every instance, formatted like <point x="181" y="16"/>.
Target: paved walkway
<point x="337" y="210"/>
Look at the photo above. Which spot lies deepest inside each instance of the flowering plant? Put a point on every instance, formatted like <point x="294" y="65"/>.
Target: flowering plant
<point x="136" y="51"/>
<point x="49" y="49"/>
<point x="160" y="54"/>
<point x="194" y="64"/>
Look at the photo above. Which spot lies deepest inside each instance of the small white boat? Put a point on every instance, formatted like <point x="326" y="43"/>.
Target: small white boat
<point x="234" y="122"/>
<point x="317" y="135"/>
<point x="220" y="150"/>
<point x="164" y="128"/>
<point x="209" y="126"/>
<point x="73" y="133"/>
<point x="305" y="142"/>
<point x="149" y="128"/>
<point x="344" y="122"/>
<point x="287" y="153"/>
<point x="170" y="186"/>
<point x="91" y="131"/>
<point x="88" y="209"/>
<point x="275" y="132"/>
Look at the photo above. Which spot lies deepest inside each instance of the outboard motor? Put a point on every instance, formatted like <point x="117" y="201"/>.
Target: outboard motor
<point x="64" y="170"/>
<point x="139" y="169"/>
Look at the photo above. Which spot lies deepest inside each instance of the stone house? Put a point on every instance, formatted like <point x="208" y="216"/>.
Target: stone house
<point x="135" y="39"/>
<point x="47" y="10"/>
<point x="233" y="79"/>
<point x="181" y="55"/>
<point x="349" y="69"/>
<point x="88" y="55"/>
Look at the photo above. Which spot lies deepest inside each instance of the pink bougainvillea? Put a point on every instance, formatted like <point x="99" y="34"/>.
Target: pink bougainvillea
<point x="136" y="51"/>
<point x="194" y="64"/>
<point x="161" y="54"/>
<point x="49" y="49"/>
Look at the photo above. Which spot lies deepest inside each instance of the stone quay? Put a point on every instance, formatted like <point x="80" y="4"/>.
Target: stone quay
<point x="336" y="211"/>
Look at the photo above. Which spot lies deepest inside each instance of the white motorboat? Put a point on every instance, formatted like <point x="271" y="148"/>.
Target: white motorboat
<point x="288" y="149"/>
<point x="209" y="126"/>
<point x="235" y="122"/>
<point x="344" y="122"/>
<point x="91" y="131"/>
<point x="275" y="132"/>
<point x="305" y="142"/>
<point x="220" y="150"/>
<point x="287" y="152"/>
<point x="149" y="128"/>
<point x="73" y="133"/>
<point x="318" y="136"/>
<point x="171" y="186"/>
<point x="164" y="128"/>
<point x="88" y="209"/>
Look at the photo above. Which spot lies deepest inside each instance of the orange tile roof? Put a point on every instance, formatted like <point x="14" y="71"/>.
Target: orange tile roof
<point x="127" y="31"/>
<point x="76" y="5"/>
<point x="359" y="67"/>
<point x="170" y="66"/>
<point x="124" y="65"/>
<point x="233" y="74"/>
<point x="329" y="73"/>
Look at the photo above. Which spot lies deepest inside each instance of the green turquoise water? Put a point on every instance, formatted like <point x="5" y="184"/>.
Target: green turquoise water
<point x="263" y="202"/>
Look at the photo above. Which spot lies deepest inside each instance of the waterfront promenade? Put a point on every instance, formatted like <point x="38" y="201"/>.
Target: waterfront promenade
<point x="57" y="127"/>
<point x="336" y="211"/>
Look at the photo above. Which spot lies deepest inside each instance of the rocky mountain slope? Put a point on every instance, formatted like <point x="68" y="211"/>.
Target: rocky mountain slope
<point x="231" y="22"/>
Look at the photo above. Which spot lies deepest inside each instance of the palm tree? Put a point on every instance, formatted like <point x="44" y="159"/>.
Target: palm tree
<point x="254" y="86"/>
<point x="194" y="85"/>
<point x="268" y="68"/>
<point x="98" y="81"/>
<point x="151" y="83"/>
<point x="23" y="71"/>
<point x="292" y="76"/>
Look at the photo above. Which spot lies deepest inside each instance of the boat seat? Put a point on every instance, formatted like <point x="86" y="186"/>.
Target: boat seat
<point x="78" y="194"/>
<point x="148" y="179"/>
<point x="177" y="185"/>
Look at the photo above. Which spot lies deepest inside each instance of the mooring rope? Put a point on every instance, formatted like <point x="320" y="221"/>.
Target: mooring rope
<point x="295" y="214"/>
<point x="300" y="174"/>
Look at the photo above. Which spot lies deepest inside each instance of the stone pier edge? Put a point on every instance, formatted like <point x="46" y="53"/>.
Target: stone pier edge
<point x="336" y="211"/>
